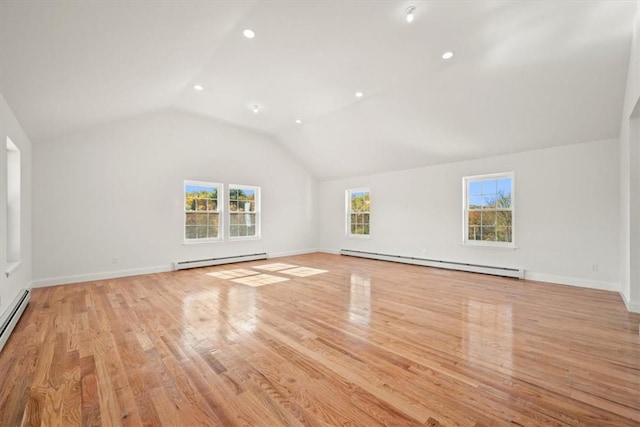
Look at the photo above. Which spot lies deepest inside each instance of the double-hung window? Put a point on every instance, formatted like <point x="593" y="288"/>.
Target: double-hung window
<point x="244" y="212"/>
<point x="202" y="219"/>
<point x="358" y="204"/>
<point x="489" y="210"/>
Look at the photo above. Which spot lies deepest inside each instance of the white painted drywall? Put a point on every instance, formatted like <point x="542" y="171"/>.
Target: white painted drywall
<point x="566" y="213"/>
<point x="109" y="201"/>
<point x="629" y="166"/>
<point x="20" y="278"/>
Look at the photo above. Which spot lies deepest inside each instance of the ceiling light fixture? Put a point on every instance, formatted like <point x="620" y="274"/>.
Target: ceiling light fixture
<point x="198" y="87"/>
<point x="255" y="108"/>
<point x="298" y="121"/>
<point x="359" y="94"/>
<point x="248" y="33"/>
<point x="409" y="13"/>
<point x="447" y="55"/>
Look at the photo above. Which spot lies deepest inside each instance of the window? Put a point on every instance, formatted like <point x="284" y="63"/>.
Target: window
<point x="358" y="212"/>
<point x="244" y="212"/>
<point x="488" y="210"/>
<point x="202" y="219"/>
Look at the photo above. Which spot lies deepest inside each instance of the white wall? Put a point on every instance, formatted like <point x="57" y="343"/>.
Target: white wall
<point x="117" y="192"/>
<point x="629" y="165"/>
<point x="21" y="277"/>
<point x="566" y="202"/>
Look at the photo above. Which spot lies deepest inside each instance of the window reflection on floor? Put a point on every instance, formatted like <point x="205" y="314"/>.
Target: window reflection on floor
<point x="489" y="334"/>
<point x="360" y="299"/>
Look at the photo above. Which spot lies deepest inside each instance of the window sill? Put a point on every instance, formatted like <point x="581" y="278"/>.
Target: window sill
<point x="358" y="236"/>
<point x="12" y="266"/>
<point x="489" y="246"/>
<point x="200" y="242"/>
<point x="243" y="239"/>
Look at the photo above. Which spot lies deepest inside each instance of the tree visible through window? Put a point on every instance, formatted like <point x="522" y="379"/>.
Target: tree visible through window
<point x="244" y="212"/>
<point x="358" y="212"/>
<point x="488" y="209"/>
<point x="202" y="210"/>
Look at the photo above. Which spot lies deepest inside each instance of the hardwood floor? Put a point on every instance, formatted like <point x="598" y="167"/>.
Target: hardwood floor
<point x="366" y="343"/>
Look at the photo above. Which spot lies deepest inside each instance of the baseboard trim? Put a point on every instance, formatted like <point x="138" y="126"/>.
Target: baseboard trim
<point x="632" y="306"/>
<point x="64" y="280"/>
<point x="291" y="253"/>
<point x="572" y="281"/>
<point x="329" y="251"/>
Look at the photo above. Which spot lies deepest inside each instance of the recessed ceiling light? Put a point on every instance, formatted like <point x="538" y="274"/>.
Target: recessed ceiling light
<point x="298" y="121"/>
<point x="248" y="33"/>
<point x="255" y="108"/>
<point x="198" y="87"/>
<point x="447" y="55"/>
<point x="409" y="13"/>
<point x="359" y="94"/>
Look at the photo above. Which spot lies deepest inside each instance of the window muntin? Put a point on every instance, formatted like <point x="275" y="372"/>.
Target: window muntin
<point x="358" y="212"/>
<point x="489" y="210"/>
<point x="202" y="201"/>
<point x="244" y="212"/>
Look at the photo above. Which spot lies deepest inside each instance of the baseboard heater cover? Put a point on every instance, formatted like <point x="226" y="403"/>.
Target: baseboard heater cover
<point x="15" y="311"/>
<point x="450" y="265"/>
<point x="182" y="265"/>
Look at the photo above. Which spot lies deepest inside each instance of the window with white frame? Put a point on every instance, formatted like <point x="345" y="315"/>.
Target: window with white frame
<point x="202" y="216"/>
<point x="358" y="203"/>
<point x="244" y="212"/>
<point x="489" y="209"/>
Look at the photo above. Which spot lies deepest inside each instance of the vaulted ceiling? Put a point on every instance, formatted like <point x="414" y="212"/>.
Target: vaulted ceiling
<point x="524" y="74"/>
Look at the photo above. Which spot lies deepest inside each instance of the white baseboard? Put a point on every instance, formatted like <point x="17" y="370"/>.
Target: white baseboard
<point x="632" y="306"/>
<point x="63" y="280"/>
<point x="291" y="253"/>
<point x="572" y="281"/>
<point x="329" y="251"/>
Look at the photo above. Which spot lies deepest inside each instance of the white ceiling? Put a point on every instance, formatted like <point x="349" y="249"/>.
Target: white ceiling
<point x="525" y="74"/>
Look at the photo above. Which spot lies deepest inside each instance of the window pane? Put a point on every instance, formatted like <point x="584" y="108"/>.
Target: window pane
<point x="489" y="202"/>
<point x="233" y="230"/>
<point x="475" y="188"/>
<point x="233" y="206"/>
<point x="212" y="232"/>
<point x="489" y="187"/>
<point x="503" y="218"/>
<point x="190" y="219"/>
<point x="251" y="230"/>
<point x="190" y="232"/>
<point x="475" y="202"/>
<point x="366" y="218"/>
<point x="201" y="218"/>
<point x="488" y="218"/>
<point x="249" y="219"/>
<point x="474" y="218"/>
<point x="213" y="219"/>
<point x="503" y="234"/>
<point x="201" y="231"/>
<point x="474" y="233"/>
<point x="504" y="186"/>
<point x="488" y="233"/>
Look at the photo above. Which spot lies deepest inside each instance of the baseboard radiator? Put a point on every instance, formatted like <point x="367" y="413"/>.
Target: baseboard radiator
<point x="474" y="268"/>
<point x="182" y="265"/>
<point x="14" y="312"/>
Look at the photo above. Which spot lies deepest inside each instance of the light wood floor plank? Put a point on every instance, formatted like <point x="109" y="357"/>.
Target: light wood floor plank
<point x="366" y="343"/>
